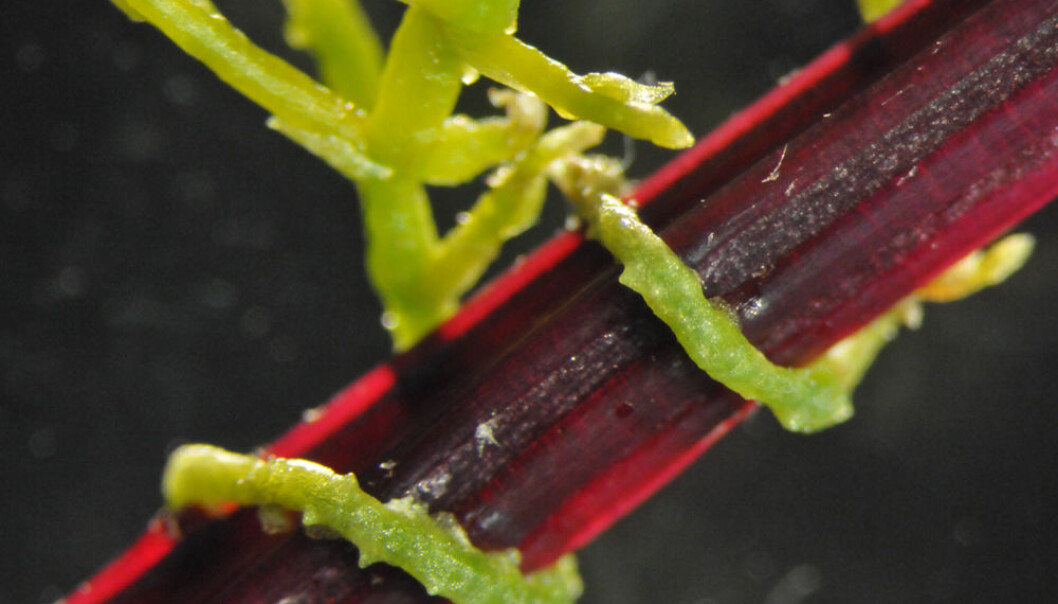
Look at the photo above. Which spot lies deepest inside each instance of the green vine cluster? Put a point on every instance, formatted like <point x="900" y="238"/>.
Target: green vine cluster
<point x="385" y="120"/>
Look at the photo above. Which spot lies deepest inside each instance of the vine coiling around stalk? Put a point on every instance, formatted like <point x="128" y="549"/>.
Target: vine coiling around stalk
<point x="806" y="399"/>
<point x="434" y="550"/>
<point x="385" y="121"/>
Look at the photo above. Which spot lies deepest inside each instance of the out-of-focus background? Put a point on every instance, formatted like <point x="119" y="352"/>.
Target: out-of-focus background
<point x="170" y="270"/>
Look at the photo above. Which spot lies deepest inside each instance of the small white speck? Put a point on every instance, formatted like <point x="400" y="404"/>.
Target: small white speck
<point x="775" y="171"/>
<point x="906" y="177"/>
<point x="434" y="486"/>
<point x="753" y="307"/>
<point x="483" y="436"/>
<point x="390" y="321"/>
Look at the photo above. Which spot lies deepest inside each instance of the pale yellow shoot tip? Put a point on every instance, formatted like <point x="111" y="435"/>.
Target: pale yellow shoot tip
<point x="980" y="269"/>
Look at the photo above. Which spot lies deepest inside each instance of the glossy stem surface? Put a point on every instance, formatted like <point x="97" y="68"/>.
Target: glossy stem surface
<point x="877" y="166"/>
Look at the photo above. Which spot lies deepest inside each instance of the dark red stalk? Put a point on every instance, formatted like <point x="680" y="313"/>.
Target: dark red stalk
<point x="810" y="213"/>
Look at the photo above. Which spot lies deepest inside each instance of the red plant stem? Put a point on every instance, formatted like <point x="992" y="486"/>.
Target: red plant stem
<point x="831" y="219"/>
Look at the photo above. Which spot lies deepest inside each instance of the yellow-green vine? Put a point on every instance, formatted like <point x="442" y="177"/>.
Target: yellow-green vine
<point x="434" y="550"/>
<point x="387" y="123"/>
<point x="385" y="120"/>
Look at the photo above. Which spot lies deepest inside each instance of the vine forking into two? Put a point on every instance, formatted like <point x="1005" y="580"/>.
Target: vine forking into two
<point x="388" y="126"/>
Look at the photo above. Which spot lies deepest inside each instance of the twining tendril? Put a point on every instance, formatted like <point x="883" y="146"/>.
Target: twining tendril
<point x="804" y="399"/>
<point x="400" y="532"/>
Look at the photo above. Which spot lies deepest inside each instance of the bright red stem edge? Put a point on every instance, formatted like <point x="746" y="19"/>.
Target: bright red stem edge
<point x="882" y="162"/>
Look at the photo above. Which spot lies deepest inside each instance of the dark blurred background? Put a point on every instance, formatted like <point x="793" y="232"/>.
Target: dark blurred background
<point x="170" y="270"/>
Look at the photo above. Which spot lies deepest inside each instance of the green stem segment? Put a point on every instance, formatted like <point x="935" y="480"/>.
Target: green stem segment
<point x="804" y="399"/>
<point x="345" y="46"/>
<point x="604" y="98"/>
<point x="401" y="533"/>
